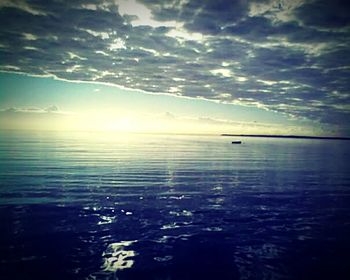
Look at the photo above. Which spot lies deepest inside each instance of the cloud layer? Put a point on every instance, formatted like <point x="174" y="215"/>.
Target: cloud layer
<point x="287" y="56"/>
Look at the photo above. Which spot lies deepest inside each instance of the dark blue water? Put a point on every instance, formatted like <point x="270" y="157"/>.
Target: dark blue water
<point x="103" y="206"/>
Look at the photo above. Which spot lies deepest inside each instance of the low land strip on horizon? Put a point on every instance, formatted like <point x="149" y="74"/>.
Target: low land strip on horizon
<point x="288" y="136"/>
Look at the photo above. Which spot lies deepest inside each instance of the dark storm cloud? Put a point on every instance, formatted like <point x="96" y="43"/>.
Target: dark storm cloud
<point x="200" y="16"/>
<point x="325" y="13"/>
<point x="287" y="56"/>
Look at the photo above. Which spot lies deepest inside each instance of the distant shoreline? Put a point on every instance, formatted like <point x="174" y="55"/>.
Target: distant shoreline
<point x="288" y="136"/>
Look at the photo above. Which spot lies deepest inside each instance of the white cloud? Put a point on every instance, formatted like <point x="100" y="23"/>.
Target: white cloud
<point x="143" y="14"/>
<point x="222" y="72"/>
<point x="269" y="83"/>
<point x="117" y="44"/>
<point x="182" y="35"/>
<point x="30" y="37"/>
<point x="22" y="5"/>
<point x="35" y="110"/>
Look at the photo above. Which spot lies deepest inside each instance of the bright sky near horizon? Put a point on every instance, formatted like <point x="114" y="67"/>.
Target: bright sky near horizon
<point x="45" y="103"/>
<point x="179" y="66"/>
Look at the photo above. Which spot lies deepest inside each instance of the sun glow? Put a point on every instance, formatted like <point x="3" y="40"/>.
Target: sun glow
<point x="125" y="124"/>
<point x="131" y="122"/>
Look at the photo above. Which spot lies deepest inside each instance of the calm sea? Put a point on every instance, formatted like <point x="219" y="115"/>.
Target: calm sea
<point x="109" y="206"/>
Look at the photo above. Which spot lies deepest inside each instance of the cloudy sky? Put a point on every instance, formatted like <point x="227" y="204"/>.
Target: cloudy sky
<point x="259" y="66"/>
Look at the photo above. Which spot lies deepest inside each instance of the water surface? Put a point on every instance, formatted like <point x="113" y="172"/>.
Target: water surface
<point x="109" y="206"/>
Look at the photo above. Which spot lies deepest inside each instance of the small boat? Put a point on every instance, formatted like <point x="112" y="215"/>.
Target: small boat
<point x="237" y="142"/>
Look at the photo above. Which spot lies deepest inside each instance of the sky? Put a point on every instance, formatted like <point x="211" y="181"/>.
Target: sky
<point x="182" y="66"/>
